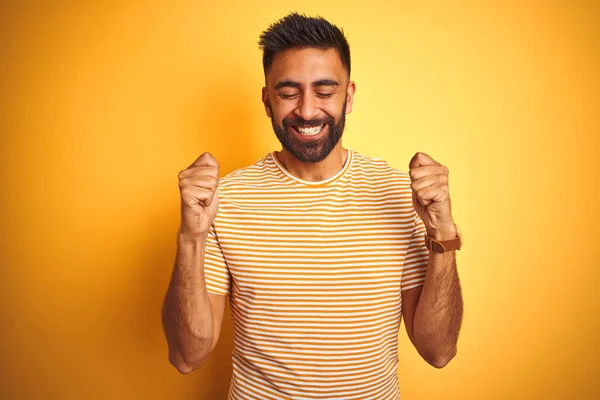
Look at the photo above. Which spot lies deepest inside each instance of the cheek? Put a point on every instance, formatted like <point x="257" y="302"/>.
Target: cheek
<point x="281" y="110"/>
<point x="334" y="110"/>
<point x="334" y="113"/>
<point x="283" y="114"/>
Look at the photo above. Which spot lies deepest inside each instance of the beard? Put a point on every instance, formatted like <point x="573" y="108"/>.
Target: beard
<point x="310" y="151"/>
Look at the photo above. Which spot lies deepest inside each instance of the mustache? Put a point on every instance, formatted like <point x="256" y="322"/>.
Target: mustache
<point x="302" y="123"/>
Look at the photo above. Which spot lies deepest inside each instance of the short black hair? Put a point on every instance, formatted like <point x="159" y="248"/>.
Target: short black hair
<point x="297" y="31"/>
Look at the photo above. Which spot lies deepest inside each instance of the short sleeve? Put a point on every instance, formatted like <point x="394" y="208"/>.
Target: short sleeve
<point x="417" y="257"/>
<point x="216" y="272"/>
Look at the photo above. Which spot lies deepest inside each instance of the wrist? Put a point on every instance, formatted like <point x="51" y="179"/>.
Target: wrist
<point x="447" y="232"/>
<point x="192" y="237"/>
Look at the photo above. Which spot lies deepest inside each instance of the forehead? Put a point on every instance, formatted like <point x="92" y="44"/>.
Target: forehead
<point x="306" y="65"/>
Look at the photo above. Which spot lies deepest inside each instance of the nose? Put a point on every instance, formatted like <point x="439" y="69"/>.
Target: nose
<point x="307" y="107"/>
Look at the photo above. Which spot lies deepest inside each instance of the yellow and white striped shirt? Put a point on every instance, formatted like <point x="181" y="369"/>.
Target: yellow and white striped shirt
<point x="314" y="271"/>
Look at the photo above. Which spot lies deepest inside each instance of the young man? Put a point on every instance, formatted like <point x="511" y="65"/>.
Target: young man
<point x="320" y="249"/>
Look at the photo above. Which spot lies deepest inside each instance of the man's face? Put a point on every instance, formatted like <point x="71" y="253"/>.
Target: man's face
<point x="307" y="96"/>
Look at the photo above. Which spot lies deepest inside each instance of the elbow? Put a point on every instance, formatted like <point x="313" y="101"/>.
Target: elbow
<point x="179" y="363"/>
<point x="183" y="368"/>
<point x="441" y="361"/>
<point x="187" y="353"/>
<point x="185" y="365"/>
<point x="433" y="354"/>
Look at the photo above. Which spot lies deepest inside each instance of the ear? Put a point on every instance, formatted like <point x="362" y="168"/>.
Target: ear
<point x="350" y="96"/>
<point x="265" y="100"/>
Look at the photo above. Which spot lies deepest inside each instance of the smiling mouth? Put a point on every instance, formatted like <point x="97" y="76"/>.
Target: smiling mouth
<point x="309" y="132"/>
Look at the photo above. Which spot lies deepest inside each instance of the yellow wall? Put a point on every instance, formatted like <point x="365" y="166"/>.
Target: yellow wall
<point x="102" y="105"/>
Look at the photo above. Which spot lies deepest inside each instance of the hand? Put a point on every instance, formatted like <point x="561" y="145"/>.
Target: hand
<point x="431" y="197"/>
<point x="199" y="201"/>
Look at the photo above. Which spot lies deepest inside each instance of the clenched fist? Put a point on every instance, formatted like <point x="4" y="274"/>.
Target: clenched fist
<point x="431" y="196"/>
<point x="199" y="201"/>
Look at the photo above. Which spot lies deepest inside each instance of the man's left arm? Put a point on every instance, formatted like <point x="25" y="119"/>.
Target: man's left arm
<point x="433" y="312"/>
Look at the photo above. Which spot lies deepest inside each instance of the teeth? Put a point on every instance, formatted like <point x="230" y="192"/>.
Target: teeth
<point x="309" y="131"/>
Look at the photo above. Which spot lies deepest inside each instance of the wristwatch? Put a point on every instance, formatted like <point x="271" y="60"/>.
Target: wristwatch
<point x="441" y="246"/>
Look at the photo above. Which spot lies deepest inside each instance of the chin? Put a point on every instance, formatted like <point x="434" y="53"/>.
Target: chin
<point x="312" y="155"/>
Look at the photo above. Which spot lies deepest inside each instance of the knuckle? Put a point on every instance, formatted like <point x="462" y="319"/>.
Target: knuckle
<point x="208" y="155"/>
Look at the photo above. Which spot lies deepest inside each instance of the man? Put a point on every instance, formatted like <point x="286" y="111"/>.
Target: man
<point x="320" y="249"/>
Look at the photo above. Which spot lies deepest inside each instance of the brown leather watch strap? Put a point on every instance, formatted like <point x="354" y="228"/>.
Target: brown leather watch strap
<point x="441" y="246"/>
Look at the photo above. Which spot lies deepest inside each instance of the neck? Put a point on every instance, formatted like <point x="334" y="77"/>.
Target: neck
<point x="315" y="172"/>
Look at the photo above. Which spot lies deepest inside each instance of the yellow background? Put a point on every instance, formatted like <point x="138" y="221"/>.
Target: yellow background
<point x="102" y="104"/>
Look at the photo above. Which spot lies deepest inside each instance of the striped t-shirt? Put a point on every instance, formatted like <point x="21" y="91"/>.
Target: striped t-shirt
<point x="314" y="272"/>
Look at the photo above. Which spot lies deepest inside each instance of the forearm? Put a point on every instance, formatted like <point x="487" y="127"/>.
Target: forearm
<point x="187" y="314"/>
<point x="438" y="315"/>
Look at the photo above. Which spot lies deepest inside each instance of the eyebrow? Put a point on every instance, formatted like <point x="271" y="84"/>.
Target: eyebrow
<point x="294" y="84"/>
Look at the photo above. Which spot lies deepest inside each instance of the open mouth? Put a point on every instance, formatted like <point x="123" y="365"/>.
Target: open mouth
<point x="309" y="133"/>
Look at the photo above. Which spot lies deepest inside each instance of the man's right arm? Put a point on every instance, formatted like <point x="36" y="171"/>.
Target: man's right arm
<point x="192" y="317"/>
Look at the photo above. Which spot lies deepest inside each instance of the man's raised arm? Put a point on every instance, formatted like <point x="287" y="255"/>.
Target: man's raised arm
<point x="191" y="316"/>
